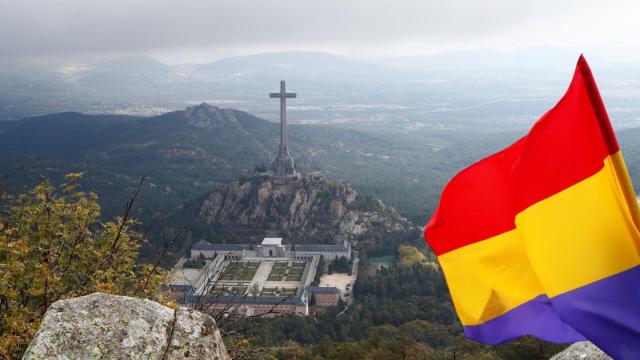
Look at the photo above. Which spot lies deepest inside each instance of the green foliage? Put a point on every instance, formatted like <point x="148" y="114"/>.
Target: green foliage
<point x="388" y="342"/>
<point x="411" y="255"/>
<point x="184" y="161"/>
<point x="403" y="312"/>
<point x="319" y="271"/>
<point x="185" y="154"/>
<point x="366" y="203"/>
<point x="53" y="247"/>
<point x="341" y="265"/>
<point x="395" y="296"/>
<point x="527" y="348"/>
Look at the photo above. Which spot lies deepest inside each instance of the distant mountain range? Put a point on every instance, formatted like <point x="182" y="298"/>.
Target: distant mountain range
<point x="123" y="78"/>
<point x="479" y="90"/>
<point x="123" y="83"/>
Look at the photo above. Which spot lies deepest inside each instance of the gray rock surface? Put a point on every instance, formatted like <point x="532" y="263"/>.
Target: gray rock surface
<point x="195" y="336"/>
<point x="581" y="351"/>
<point x="101" y="326"/>
<point x="310" y="209"/>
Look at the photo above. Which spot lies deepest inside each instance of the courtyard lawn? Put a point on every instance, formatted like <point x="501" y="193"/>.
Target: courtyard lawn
<point x="279" y="291"/>
<point x="238" y="271"/>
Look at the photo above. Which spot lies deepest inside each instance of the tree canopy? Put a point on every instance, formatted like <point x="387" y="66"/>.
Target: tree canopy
<point x="53" y="246"/>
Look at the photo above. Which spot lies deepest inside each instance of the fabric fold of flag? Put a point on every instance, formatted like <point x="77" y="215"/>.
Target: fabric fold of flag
<point x="542" y="238"/>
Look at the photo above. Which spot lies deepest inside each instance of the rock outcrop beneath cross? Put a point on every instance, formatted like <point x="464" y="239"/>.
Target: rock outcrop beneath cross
<point x="583" y="350"/>
<point x="101" y="326"/>
<point x="307" y="209"/>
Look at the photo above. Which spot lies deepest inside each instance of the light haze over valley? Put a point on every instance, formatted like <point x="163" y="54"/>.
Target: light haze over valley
<point x="385" y="102"/>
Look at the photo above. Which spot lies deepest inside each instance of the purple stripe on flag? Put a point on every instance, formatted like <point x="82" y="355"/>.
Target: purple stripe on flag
<point x="535" y="317"/>
<point x="607" y="312"/>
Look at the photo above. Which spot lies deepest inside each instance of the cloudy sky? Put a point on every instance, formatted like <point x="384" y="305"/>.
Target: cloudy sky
<point x="202" y="30"/>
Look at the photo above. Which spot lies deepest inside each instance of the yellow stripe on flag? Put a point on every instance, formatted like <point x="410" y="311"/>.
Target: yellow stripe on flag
<point x="582" y="234"/>
<point x="559" y="244"/>
<point x="488" y="278"/>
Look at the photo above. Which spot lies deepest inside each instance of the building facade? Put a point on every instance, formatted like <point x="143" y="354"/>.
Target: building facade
<point x="324" y="296"/>
<point x="252" y="305"/>
<point x="271" y="279"/>
<point x="209" y="251"/>
<point x="271" y="247"/>
<point x="329" y="252"/>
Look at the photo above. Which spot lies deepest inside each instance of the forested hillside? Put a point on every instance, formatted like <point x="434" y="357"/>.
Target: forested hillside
<point x="403" y="312"/>
<point x="186" y="154"/>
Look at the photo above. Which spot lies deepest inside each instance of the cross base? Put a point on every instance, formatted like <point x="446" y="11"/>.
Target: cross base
<point x="283" y="166"/>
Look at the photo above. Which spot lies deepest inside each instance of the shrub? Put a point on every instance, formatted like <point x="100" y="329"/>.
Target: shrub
<point x="52" y="247"/>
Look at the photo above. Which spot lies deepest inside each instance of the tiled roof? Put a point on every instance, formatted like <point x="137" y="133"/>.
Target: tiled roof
<point x="272" y="241"/>
<point x="275" y="300"/>
<point x="321" y="248"/>
<point x="205" y="245"/>
<point x="179" y="287"/>
<point x="323" y="290"/>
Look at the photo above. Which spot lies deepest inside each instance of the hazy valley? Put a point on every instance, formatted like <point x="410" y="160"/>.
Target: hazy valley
<point x="375" y="142"/>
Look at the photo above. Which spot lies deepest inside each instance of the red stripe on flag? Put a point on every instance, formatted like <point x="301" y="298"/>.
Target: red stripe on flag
<point x="567" y="145"/>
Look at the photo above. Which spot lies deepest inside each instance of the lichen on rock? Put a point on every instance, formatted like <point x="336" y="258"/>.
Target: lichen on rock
<point x="101" y="326"/>
<point x="583" y="350"/>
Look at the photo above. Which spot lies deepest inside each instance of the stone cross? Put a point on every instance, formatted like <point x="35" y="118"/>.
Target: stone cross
<point x="283" y="164"/>
<point x="283" y="95"/>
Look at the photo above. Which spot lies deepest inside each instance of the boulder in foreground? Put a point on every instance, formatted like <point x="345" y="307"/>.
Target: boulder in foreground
<point x="101" y="326"/>
<point x="583" y="350"/>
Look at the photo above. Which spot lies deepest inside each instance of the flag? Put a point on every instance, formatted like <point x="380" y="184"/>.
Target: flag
<point x="542" y="237"/>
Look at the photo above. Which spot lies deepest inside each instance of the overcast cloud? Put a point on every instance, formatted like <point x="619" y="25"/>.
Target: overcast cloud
<point x="184" y="30"/>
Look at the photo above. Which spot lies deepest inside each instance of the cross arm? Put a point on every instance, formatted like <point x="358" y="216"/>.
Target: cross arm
<point x="281" y="95"/>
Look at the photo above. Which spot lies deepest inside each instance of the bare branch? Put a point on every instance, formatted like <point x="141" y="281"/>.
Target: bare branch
<point x="123" y="222"/>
